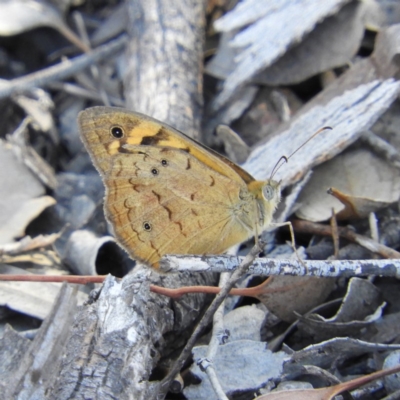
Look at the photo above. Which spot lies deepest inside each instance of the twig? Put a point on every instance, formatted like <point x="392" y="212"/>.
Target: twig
<point x="63" y="70"/>
<point x="79" y="91"/>
<point x="373" y="226"/>
<point x="260" y="267"/>
<point x="382" y="147"/>
<point x="94" y="69"/>
<point x="276" y="342"/>
<point x="82" y="280"/>
<point x="371" y="245"/>
<point x="267" y="266"/>
<point x="163" y="386"/>
<point x="335" y="234"/>
<point x="217" y="338"/>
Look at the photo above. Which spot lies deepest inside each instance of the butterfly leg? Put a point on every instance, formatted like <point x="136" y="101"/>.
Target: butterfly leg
<point x="289" y="224"/>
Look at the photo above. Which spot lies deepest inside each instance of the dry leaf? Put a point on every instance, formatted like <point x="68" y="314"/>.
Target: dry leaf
<point x="392" y="383"/>
<point x="17" y="16"/>
<point x="368" y="179"/>
<point x="21" y="196"/>
<point x="38" y="104"/>
<point x="266" y="113"/>
<point x="261" y="366"/>
<point x="329" y="392"/>
<point x="356" y="207"/>
<point x="27" y="244"/>
<point x="235" y="148"/>
<point x="361" y="306"/>
<point x="30" y="298"/>
<point x="244" y="323"/>
<point x="283" y="295"/>
<point x="325" y="353"/>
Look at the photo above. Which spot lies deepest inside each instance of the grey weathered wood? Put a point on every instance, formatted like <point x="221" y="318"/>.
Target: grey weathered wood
<point x="117" y="340"/>
<point x="349" y="105"/>
<point x="274" y="27"/>
<point x="348" y="113"/>
<point x="164" y="61"/>
<point x="331" y="44"/>
<point x="13" y="347"/>
<point x="36" y="371"/>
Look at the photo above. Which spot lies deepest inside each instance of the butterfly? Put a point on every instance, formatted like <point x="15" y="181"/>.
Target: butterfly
<point x="166" y="193"/>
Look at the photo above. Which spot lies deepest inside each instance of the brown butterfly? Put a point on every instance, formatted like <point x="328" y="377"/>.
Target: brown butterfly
<point x="167" y="193"/>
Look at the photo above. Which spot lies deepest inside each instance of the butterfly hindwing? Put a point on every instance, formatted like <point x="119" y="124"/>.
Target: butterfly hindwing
<point x="163" y="200"/>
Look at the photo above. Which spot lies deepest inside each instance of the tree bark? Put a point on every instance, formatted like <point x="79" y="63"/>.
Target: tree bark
<point x="165" y="61"/>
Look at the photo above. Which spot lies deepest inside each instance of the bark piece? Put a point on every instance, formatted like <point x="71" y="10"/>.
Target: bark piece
<point x="348" y="113"/>
<point x="331" y="44"/>
<point x="117" y="341"/>
<point x="13" y="348"/>
<point x="37" y="370"/>
<point x="284" y="25"/>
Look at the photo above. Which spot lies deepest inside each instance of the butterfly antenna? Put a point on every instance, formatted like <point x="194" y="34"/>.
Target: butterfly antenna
<point x="311" y="137"/>
<point x="286" y="159"/>
<point x="279" y="164"/>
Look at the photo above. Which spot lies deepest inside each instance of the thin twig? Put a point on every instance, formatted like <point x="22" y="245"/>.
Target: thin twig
<point x="335" y="234"/>
<point x="260" y="267"/>
<point x="217" y="338"/>
<point x="381" y="147"/>
<point x="82" y="280"/>
<point x="63" y="70"/>
<point x="371" y="245"/>
<point x="268" y="266"/>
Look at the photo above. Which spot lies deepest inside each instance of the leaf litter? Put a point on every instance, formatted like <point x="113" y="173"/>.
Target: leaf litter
<point x="278" y="75"/>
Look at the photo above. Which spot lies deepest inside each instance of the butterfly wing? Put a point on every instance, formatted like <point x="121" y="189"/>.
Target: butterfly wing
<point x="160" y="198"/>
<point x="163" y="200"/>
<point x="144" y="130"/>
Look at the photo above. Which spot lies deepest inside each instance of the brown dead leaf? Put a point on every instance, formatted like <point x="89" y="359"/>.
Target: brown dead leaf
<point x="356" y="207"/>
<point x="367" y="183"/>
<point x="329" y="392"/>
<point x="28" y="244"/>
<point x="283" y="295"/>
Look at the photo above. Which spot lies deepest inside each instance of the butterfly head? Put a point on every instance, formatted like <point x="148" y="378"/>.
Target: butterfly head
<point x="271" y="191"/>
<point x="271" y="196"/>
<point x="267" y="195"/>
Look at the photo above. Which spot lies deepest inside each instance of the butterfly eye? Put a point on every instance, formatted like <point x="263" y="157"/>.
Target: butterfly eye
<point x="268" y="192"/>
<point x="154" y="171"/>
<point x="117" y="132"/>
<point x="146" y="226"/>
